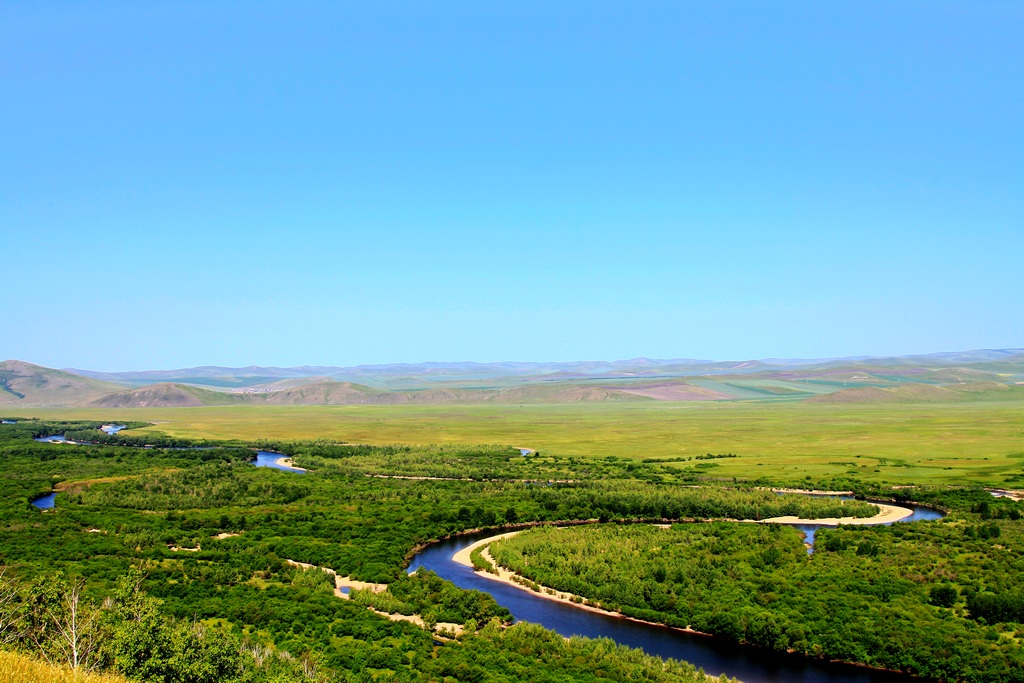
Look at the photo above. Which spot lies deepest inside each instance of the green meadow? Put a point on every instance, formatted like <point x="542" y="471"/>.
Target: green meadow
<point x="979" y="443"/>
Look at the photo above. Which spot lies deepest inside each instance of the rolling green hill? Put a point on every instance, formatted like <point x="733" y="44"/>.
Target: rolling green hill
<point x="348" y="393"/>
<point x="165" y="395"/>
<point x="925" y="393"/>
<point x="28" y="385"/>
<point x="320" y="393"/>
<point x="901" y="380"/>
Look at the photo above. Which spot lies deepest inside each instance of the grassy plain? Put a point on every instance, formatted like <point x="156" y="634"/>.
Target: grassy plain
<point x="928" y="443"/>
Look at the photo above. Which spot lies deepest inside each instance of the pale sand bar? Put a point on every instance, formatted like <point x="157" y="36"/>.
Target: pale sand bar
<point x="285" y="461"/>
<point x="886" y="513"/>
<point x="342" y="581"/>
<point x="814" y="492"/>
<point x="462" y="557"/>
<point x="509" y="578"/>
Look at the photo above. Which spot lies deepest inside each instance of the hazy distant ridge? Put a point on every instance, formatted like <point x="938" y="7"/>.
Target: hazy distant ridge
<point x="630" y="367"/>
<point x="979" y="375"/>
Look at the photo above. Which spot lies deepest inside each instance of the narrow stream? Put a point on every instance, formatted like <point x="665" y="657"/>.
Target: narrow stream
<point x="56" y="438"/>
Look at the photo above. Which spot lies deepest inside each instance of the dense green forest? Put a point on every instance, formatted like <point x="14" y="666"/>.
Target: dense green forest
<point x="195" y="539"/>
<point x="185" y="545"/>
<point x="938" y="599"/>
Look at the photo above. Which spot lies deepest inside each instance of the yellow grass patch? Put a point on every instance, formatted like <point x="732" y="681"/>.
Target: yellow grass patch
<point x="20" y="668"/>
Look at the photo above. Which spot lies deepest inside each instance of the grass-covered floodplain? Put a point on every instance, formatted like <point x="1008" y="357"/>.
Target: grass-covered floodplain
<point x="980" y="443"/>
<point x="212" y="534"/>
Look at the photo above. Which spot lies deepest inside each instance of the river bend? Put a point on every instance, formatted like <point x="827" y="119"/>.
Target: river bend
<point x="715" y="655"/>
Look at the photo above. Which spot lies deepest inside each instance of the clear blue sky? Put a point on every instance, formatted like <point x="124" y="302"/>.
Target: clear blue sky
<point x="284" y="183"/>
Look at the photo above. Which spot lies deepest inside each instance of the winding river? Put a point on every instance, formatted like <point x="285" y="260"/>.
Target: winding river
<point x="55" y="438"/>
<point x="50" y="499"/>
<point x="263" y="459"/>
<point x="715" y="655"/>
<point x="919" y="514"/>
<point x="60" y="438"/>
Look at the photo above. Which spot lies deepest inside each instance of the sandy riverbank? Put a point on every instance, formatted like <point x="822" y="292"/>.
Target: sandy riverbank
<point x="887" y="513"/>
<point x="285" y="461"/>
<point x="342" y="581"/>
<point x="462" y="557"/>
<point x="813" y="492"/>
<point x="510" y="578"/>
<point x="1007" y="493"/>
<point x="442" y="629"/>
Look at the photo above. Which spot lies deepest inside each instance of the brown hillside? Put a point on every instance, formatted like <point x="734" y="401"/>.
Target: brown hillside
<point x="25" y="384"/>
<point x="345" y="393"/>
<point x="983" y="388"/>
<point x="292" y="383"/>
<point x="675" y="391"/>
<point x="906" y="393"/>
<point x="164" y="395"/>
<point x="924" y="393"/>
<point x="321" y="393"/>
<point x="595" y="395"/>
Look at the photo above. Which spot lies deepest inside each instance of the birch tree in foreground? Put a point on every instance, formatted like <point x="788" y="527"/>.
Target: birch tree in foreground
<point x="76" y="628"/>
<point x="9" y="621"/>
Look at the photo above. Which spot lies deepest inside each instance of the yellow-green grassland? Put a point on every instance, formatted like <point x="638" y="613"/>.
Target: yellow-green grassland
<point x="979" y="443"/>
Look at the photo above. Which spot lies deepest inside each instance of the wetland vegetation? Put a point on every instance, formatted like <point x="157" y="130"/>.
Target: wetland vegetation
<point x="784" y="443"/>
<point x="201" y="541"/>
<point x="934" y="599"/>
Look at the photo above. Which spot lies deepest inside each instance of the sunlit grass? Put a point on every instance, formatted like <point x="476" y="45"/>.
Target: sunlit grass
<point x="19" y="668"/>
<point x="889" y="443"/>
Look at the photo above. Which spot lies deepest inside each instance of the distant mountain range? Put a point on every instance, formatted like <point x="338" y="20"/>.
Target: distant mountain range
<point x="462" y="371"/>
<point x="988" y="374"/>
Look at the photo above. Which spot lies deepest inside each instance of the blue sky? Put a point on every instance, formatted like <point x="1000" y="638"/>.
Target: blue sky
<point x="286" y="183"/>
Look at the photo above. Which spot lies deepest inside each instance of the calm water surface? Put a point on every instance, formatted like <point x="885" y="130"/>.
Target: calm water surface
<point x="920" y="514"/>
<point x="59" y="438"/>
<point x="45" y="502"/>
<point x="714" y="655"/>
<point x="56" y="438"/>
<point x="268" y="459"/>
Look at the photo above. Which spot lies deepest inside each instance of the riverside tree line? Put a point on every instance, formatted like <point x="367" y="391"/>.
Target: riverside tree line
<point x="202" y="539"/>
